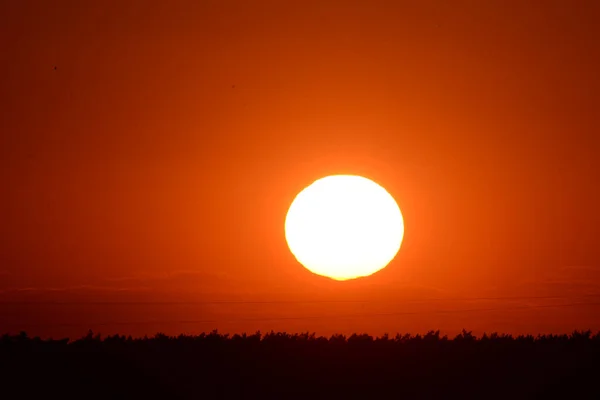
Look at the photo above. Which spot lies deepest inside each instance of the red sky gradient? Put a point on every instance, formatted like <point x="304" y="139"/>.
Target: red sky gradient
<point x="157" y="161"/>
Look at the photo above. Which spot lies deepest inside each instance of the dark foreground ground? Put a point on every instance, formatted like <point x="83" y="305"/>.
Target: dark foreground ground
<point x="283" y="366"/>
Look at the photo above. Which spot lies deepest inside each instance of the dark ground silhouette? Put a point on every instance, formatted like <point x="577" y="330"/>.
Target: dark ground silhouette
<point x="284" y="366"/>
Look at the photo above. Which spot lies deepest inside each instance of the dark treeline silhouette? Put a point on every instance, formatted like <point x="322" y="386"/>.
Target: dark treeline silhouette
<point x="284" y="366"/>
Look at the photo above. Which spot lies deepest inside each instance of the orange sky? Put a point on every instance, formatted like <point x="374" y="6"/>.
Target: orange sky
<point x="157" y="161"/>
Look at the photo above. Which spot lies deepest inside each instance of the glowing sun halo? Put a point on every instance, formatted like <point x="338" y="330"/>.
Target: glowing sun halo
<point x="344" y="227"/>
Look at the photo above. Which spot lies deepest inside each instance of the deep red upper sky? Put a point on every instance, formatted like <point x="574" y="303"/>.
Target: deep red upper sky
<point x="149" y="151"/>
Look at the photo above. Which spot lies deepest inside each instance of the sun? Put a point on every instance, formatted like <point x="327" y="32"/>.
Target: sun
<point x="344" y="227"/>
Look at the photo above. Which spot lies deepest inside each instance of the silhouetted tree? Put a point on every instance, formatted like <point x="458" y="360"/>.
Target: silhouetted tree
<point x="284" y="365"/>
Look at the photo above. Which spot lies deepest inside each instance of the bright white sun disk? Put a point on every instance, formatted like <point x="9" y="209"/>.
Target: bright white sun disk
<point x="344" y="227"/>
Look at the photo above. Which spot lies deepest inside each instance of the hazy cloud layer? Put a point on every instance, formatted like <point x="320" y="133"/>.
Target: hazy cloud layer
<point x="569" y="282"/>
